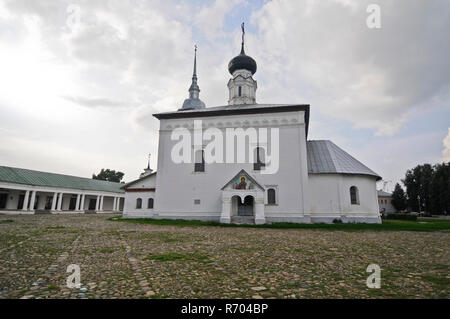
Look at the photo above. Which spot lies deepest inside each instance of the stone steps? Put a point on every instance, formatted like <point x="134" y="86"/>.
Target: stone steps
<point x="243" y="220"/>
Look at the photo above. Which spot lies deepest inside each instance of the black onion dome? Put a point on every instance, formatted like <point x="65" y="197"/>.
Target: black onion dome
<point x="242" y="61"/>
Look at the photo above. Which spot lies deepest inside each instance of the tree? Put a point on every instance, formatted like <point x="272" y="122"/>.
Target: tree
<point x="418" y="187"/>
<point x="399" y="198"/>
<point x="109" y="175"/>
<point x="440" y="188"/>
<point x="429" y="186"/>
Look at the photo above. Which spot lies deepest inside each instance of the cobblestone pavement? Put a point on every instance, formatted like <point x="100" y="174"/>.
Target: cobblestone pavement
<point x="125" y="260"/>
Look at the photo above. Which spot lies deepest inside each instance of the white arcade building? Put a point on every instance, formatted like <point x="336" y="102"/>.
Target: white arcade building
<point x="312" y="181"/>
<point x="28" y="192"/>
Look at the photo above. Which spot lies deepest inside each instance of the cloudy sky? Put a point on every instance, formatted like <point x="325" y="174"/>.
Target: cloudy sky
<point x="80" y="79"/>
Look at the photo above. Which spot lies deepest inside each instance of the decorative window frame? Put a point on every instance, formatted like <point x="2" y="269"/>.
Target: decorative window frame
<point x="195" y="149"/>
<point x="138" y="200"/>
<point x="266" y="195"/>
<point x="356" y="195"/>
<point x="148" y="203"/>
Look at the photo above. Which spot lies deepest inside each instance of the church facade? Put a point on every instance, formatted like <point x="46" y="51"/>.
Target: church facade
<point x="278" y="176"/>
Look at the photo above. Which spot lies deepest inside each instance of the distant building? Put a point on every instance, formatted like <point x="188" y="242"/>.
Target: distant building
<point x="24" y="191"/>
<point x="385" y="202"/>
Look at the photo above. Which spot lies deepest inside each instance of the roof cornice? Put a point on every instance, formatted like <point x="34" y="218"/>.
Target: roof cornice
<point x="209" y="112"/>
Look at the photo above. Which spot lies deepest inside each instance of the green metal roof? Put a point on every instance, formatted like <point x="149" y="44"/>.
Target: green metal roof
<point x="37" y="178"/>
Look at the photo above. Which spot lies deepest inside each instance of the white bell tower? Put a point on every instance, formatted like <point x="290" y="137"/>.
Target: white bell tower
<point x="242" y="87"/>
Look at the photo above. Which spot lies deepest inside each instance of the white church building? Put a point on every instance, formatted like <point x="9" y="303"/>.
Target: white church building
<point x="288" y="179"/>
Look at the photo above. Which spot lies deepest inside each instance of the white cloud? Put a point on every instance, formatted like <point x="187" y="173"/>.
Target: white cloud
<point x="210" y="19"/>
<point x="375" y="78"/>
<point x="446" y="151"/>
<point x="96" y="102"/>
<point x="392" y="156"/>
<point x="129" y="59"/>
<point x="121" y="63"/>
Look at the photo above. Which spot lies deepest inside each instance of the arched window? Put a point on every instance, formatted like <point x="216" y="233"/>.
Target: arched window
<point x="150" y="203"/>
<point x="240" y="91"/>
<point x="354" y="196"/>
<point x="139" y="203"/>
<point x="271" y="196"/>
<point x="259" y="159"/>
<point x="199" y="161"/>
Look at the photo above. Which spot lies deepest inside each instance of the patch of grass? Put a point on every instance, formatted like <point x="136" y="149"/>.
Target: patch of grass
<point x="293" y="285"/>
<point x="441" y="282"/>
<point x="48" y="249"/>
<point x="245" y="249"/>
<point x="441" y="285"/>
<point x="107" y="250"/>
<point x="167" y="238"/>
<point x="6" y="221"/>
<point x="440" y="267"/>
<point x="171" y="256"/>
<point x="171" y="240"/>
<point x="166" y="257"/>
<point x="163" y="237"/>
<point x="52" y="287"/>
<point x="113" y="232"/>
<point x="426" y="225"/>
<point x="56" y="227"/>
<point x="199" y="257"/>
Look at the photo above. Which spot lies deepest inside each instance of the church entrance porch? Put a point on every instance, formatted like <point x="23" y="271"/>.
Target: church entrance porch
<point x="243" y="201"/>
<point x="242" y="211"/>
<point x="245" y="208"/>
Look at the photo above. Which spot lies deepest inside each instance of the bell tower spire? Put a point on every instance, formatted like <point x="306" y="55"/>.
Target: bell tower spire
<point x="243" y="37"/>
<point x="195" y="61"/>
<point x="194" y="90"/>
<point x="147" y="170"/>
<point x="193" y="102"/>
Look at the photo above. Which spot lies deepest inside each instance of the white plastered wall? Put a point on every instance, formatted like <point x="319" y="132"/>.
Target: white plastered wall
<point x="130" y="210"/>
<point x="330" y="198"/>
<point x="177" y="185"/>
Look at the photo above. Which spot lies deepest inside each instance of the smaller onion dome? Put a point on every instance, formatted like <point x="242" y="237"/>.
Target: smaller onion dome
<point x="242" y="61"/>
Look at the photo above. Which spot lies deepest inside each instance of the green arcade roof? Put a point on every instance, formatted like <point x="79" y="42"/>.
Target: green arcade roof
<point x="37" y="178"/>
